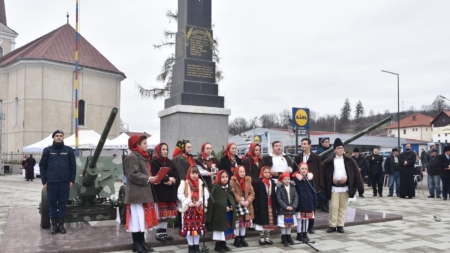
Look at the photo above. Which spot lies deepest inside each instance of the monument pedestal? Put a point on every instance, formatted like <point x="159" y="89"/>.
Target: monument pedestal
<point x="198" y="124"/>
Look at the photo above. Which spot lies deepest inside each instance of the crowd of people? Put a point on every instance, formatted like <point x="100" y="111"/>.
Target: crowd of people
<point x="230" y="196"/>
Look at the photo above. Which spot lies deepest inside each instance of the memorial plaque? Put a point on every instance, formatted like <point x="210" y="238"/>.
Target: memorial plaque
<point x="194" y="72"/>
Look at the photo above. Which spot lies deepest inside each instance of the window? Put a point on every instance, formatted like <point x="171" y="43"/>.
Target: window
<point x="439" y="135"/>
<point x="426" y="129"/>
<point x="413" y="129"/>
<point x="445" y="134"/>
<point x="16" y="111"/>
<point x="390" y="132"/>
<point x="81" y="112"/>
<point x="404" y="131"/>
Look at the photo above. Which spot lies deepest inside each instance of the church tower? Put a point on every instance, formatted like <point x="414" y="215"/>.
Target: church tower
<point x="7" y="35"/>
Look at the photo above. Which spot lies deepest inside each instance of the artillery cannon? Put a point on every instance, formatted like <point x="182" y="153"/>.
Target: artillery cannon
<point x="358" y="135"/>
<point x="90" y="198"/>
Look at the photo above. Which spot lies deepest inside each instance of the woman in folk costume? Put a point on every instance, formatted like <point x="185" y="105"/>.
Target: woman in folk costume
<point x="244" y="194"/>
<point x="253" y="163"/>
<point x="166" y="190"/>
<point x="265" y="205"/>
<point x="140" y="209"/>
<point x="221" y="214"/>
<point x="181" y="157"/>
<point x="208" y="163"/>
<point x="287" y="200"/>
<point x="305" y="187"/>
<point x="190" y="195"/>
<point x="230" y="160"/>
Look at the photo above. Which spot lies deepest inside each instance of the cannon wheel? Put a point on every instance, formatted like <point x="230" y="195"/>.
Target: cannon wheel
<point x="45" y="217"/>
<point x="122" y="209"/>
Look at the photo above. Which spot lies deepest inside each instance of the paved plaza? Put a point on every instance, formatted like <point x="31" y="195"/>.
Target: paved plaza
<point x="417" y="232"/>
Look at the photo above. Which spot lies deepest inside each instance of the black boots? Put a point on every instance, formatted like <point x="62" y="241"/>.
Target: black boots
<point x="61" y="228"/>
<point x="159" y="235"/>
<point x="299" y="237"/>
<point x="237" y="242"/>
<point x="305" y="237"/>
<point x="224" y="246"/>
<point x="137" y="247"/>
<point x="191" y="249"/>
<point x="284" y="240"/>
<point x="218" y="247"/>
<point x="289" y="239"/>
<point x="55" y="227"/>
<point x="243" y="242"/>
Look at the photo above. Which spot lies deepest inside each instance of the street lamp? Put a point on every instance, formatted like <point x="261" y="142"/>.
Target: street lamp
<point x="398" y="104"/>
<point x="444" y="97"/>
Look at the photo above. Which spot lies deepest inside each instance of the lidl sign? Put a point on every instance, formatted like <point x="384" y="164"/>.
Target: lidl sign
<point x="300" y="117"/>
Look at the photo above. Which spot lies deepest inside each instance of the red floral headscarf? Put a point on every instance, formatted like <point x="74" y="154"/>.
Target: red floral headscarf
<point x="133" y="145"/>
<point x="219" y="175"/>
<point x="240" y="179"/>
<point x="227" y="150"/>
<point x="265" y="180"/>
<point x="251" y="152"/>
<point x="193" y="184"/>
<point x="157" y="153"/>
<point x="204" y="156"/>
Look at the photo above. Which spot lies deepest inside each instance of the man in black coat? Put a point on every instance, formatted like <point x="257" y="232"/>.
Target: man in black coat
<point x="444" y="161"/>
<point x="434" y="175"/>
<point x="30" y="168"/>
<point x="407" y="160"/>
<point x="363" y="165"/>
<point x="376" y="172"/>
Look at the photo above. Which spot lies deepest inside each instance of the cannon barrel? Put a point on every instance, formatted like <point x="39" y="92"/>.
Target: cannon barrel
<point x="356" y="136"/>
<point x="91" y="170"/>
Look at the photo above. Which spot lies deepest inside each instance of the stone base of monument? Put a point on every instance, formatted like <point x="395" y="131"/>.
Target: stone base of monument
<point x="23" y="233"/>
<point x="198" y="124"/>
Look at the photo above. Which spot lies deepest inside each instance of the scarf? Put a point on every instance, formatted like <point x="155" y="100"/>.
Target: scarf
<point x="227" y="150"/>
<point x="241" y="180"/>
<point x="266" y="181"/>
<point x="194" y="185"/>
<point x="157" y="154"/>
<point x="217" y="180"/>
<point x="204" y="156"/>
<point x="251" y="152"/>
<point x="132" y="145"/>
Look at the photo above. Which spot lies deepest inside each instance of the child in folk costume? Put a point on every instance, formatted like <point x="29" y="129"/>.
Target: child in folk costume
<point x="304" y="185"/>
<point x="287" y="199"/>
<point x="221" y="214"/>
<point x="244" y="194"/>
<point x="265" y="205"/>
<point x="190" y="195"/>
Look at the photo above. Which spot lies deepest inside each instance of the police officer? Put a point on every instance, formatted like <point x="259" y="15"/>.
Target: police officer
<point x="58" y="171"/>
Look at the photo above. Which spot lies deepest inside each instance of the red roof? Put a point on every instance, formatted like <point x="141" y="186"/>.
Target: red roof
<point x="59" y="46"/>
<point x="413" y="120"/>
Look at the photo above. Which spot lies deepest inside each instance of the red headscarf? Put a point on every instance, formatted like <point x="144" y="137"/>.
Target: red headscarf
<point x="266" y="181"/>
<point x="132" y="145"/>
<point x="194" y="185"/>
<point x="219" y="175"/>
<point x="204" y="156"/>
<point x="157" y="154"/>
<point x="180" y="149"/>
<point x="241" y="179"/>
<point x="282" y="176"/>
<point x="300" y="165"/>
<point x="251" y="152"/>
<point x="227" y="150"/>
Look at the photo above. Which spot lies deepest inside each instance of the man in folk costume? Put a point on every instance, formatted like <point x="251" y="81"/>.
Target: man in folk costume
<point x="314" y="165"/>
<point x="342" y="179"/>
<point x="244" y="195"/>
<point x="407" y="160"/>
<point x="278" y="161"/>
<point x="444" y="161"/>
<point x="190" y="194"/>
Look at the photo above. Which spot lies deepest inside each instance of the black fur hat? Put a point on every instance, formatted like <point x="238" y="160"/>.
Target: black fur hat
<point x="337" y="143"/>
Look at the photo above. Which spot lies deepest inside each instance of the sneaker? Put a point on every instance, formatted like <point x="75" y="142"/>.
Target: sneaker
<point x="390" y="195"/>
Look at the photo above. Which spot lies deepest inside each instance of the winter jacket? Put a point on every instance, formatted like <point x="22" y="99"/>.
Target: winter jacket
<point x="314" y="166"/>
<point x="307" y="198"/>
<point x="58" y="164"/>
<point x="163" y="192"/>
<point x="225" y="164"/>
<point x="433" y="166"/>
<point x="251" y="169"/>
<point x="321" y="150"/>
<point x="217" y="210"/>
<point x="269" y="162"/>
<point x="261" y="204"/>
<point x="389" y="165"/>
<point x="249" y="194"/>
<point x="375" y="164"/>
<point x="138" y="189"/>
<point x="362" y="162"/>
<point x="444" y="163"/>
<point x="181" y="165"/>
<point x="282" y="198"/>
<point x="354" y="179"/>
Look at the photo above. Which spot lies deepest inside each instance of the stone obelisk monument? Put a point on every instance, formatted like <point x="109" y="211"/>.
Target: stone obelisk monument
<point x="194" y="111"/>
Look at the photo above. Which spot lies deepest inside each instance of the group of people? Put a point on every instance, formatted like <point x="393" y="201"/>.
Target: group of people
<point x="229" y="196"/>
<point x="28" y="167"/>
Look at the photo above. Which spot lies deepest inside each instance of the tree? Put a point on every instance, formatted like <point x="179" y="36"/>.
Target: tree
<point x="439" y="104"/>
<point x="238" y="125"/>
<point x="268" y="120"/>
<point x="359" y="110"/>
<point x="165" y="76"/>
<point x="346" y="111"/>
<point x="285" y="117"/>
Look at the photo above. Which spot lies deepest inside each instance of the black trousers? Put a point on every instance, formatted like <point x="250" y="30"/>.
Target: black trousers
<point x="377" y="184"/>
<point x="445" y="187"/>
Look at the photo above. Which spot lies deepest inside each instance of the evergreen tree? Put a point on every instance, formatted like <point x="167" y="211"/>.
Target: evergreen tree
<point x="359" y="110"/>
<point x="346" y="112"/>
